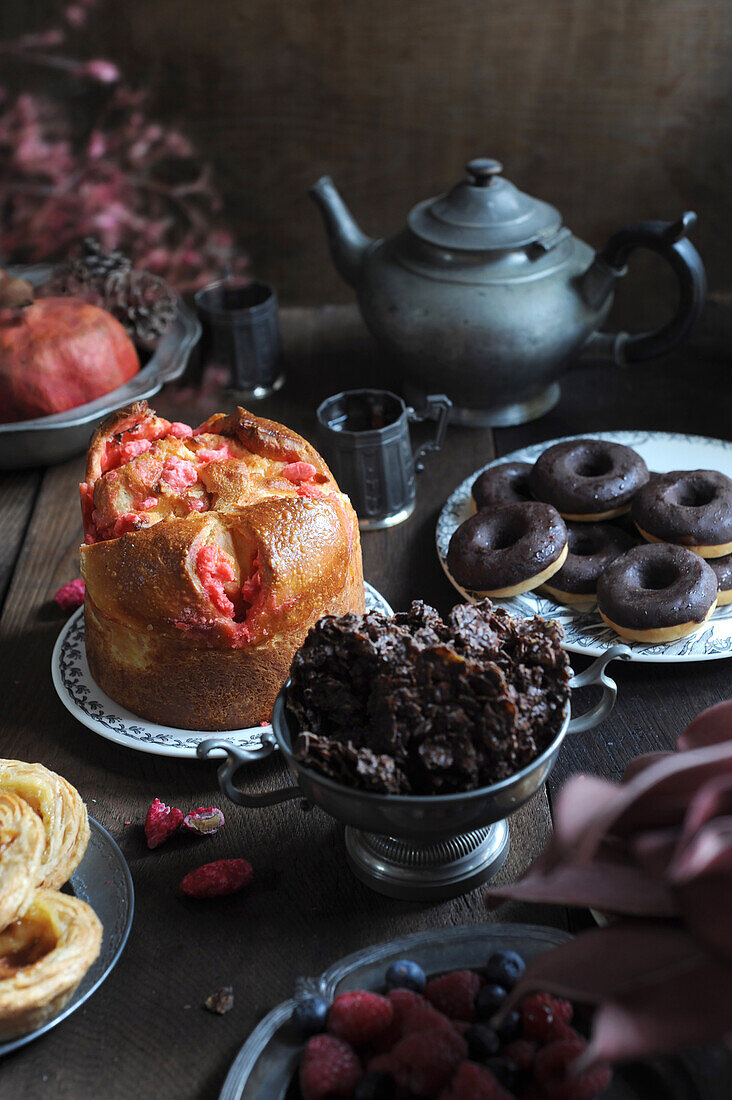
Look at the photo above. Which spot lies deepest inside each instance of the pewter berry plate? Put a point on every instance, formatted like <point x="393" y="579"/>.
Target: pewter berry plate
<point x="584" y="631"/>
<point x="265" y="1067"/>
<point x="103" y="880"/>
<point x="93" y="708"/>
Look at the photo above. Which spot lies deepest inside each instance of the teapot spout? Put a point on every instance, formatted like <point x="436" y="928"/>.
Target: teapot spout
<point x="348" y="244"/>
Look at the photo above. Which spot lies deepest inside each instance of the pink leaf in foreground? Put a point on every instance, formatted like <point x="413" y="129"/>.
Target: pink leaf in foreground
<point x="611" y="963"/>
<point x="708" y="728"/>
<point x="677" y="1012"/>
<point x="576" y="809"/>
<point x="714" y="799"/>
<point x="608" y="886"/>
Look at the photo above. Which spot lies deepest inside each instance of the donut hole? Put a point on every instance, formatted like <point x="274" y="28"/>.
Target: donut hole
<point x="593" y="465"/>
<point x="505" y="533"/>
<point x="520" y="486"/>
<point x="693" y="494"/>
<point x="656" y="575"/>
<point x="584" y="544"/>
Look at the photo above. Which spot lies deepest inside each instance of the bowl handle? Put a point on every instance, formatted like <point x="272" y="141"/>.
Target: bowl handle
<point x="595" y="674"/>
<point x="235" y="757"/>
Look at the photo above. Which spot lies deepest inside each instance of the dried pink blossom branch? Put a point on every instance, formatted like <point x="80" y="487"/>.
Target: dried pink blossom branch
<point x="130" y="181"/>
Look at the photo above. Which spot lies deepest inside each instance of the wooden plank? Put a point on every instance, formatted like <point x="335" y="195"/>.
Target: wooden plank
<point x="145" y="1031"/>
<point x="17" y="494"/>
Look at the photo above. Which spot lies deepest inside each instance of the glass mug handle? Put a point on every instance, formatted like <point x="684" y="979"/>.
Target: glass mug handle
<point x="437" y="407"/>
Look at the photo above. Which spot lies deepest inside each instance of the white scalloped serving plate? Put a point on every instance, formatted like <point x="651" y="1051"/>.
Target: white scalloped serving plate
<point x="584" y="631"/>
<point x="93" y="708"/>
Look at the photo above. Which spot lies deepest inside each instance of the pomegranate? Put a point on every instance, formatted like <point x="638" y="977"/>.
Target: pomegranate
<point x="57" y="353"/>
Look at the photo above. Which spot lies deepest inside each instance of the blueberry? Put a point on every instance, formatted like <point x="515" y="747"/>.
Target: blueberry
<point x="309" y="1015"/>
<point x="405" y="974"/>
<point x="505" y="968"/>
<point x="375" y="1086"/>
<point x="504" y="1070"/>
<point x="482" y="1042"/>
<point x="510" y="1027"/>
<point x="488" y="1000"/>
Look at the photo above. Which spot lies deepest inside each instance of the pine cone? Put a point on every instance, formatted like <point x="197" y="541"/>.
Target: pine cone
<point x="142" y="302"/>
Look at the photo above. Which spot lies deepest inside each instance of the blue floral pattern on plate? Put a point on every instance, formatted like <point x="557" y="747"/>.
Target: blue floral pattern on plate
<point x="88" y="703"/>
<point x="584" y="631"/>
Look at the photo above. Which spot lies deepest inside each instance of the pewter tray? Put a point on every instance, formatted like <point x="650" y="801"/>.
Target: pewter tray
<point x="47" y="440"/>
<point x="266" y="1065"/>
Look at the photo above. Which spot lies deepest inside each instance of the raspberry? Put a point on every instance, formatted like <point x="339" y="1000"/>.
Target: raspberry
<point x="454" y="994"/>
<point x="426" y="1018"/>
<point x="71" y="595"/>
<point x="358" y="1016"/>
<point x="161" y="821"/>
<point x="401" y="1000"/>
<point x="474" y="1082"/>
<point x="212" y="880"/>
<point x="424" y="1061"/>
<point x="204" y="820"/>
<point x="539" y="1012"/>
<point x="559" y="1030"/>
<point x="329" y="1068"/>
<point x="521" y="1052"/>
<point x="552" y="1072"/>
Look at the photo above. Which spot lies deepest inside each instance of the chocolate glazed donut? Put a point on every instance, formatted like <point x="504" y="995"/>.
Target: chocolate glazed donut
<point x="657" y="593"/>
<point x="588" y="480"/>
<point x="591" y="548"/>
<point x="689" y="508"/>
<point x="722" y="569"/>
<point x="507" y="483"/>
<point x="508" y="550"/>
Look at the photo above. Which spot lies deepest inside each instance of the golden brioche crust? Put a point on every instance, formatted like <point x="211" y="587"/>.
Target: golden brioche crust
<point x="192" y="619"/>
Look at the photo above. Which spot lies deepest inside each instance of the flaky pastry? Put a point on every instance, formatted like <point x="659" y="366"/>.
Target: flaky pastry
<point x="22" y="841"/>
<point x="43" y="957"/>
<point x="61" y="811"/>
<point x="209" y="554"/>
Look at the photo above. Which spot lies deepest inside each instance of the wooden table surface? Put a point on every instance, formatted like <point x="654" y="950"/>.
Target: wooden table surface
<point x="144" y="1032"/>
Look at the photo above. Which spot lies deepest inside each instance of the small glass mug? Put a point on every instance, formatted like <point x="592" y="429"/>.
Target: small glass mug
<point x="241" y="333"/>
<point x="365" y="437"/>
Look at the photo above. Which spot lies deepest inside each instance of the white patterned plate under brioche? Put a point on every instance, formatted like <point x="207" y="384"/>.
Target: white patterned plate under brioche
<point x="209" y="554"/>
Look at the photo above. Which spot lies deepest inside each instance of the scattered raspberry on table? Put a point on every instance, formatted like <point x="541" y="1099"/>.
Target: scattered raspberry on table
<point x="213" y="880"/>
<point x="71" y="595"/>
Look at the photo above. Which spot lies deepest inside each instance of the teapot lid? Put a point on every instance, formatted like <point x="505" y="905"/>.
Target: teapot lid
<point x="483" y="212"/>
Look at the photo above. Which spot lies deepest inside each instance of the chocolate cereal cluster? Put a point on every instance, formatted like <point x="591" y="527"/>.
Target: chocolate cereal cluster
<point x="415" y="705"/>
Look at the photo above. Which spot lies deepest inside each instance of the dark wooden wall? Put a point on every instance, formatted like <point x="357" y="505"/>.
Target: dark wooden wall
<point x="613" y="111"/>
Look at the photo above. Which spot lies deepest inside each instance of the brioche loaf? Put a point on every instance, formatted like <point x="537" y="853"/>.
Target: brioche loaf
<point x="209" y="554"/>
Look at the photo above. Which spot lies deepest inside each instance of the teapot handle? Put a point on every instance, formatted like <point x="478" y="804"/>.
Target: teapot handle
<point x="668" y="239"/>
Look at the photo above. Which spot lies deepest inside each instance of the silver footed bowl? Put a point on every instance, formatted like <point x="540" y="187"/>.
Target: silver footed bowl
<point x="423" y="818"/>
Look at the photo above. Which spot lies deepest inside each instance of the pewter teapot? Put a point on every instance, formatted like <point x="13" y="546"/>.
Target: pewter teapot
<point x="486" y="296"/>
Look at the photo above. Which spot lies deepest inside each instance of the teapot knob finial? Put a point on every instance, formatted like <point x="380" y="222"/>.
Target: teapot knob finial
<point x="483" y="169"/>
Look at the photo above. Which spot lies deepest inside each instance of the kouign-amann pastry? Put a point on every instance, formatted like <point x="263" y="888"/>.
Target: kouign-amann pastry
<point x="22" y="841"/>
<point x="61" y="811"/>
<point x="209" y="554"/>
<point x="44" y="954"/>
<point x="416" y="705"/>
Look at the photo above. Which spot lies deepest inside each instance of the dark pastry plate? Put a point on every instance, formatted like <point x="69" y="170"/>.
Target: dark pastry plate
<point x="265" y="1067"/>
